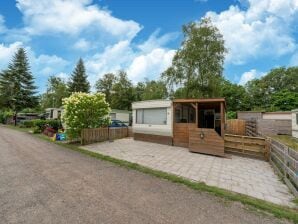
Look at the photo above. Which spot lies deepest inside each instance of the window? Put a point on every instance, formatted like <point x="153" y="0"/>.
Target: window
<point x="185" y="113"/>
<point x="152" y="116"/>
<point x="113" y="116"/>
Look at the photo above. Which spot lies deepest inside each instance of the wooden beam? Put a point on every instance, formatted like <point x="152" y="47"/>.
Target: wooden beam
<point x="197" y="115"/>
<point x="193" y="105"/>
<point x="222" y="119"/>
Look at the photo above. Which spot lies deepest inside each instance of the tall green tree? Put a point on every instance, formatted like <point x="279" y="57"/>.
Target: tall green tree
<point x="198" y="65"/>
<point x="56" y="90"/>
<point x="78" y="80"/>
<point x="138" y="91"/>
<point x="17" y="87"/>
<point x="269" y="89"/>
<point x="237" y="98"/>
<point x="154" y="90"/>
<point x="123" y="92"/>
<point x="105" y="85"/>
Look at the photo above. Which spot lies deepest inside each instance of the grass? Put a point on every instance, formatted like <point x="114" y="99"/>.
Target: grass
<point x="261" y="205"/>
<point x="287" y="140"/>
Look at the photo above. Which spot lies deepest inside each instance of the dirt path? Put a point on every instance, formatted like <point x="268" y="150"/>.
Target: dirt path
<point x="43" y="183"/>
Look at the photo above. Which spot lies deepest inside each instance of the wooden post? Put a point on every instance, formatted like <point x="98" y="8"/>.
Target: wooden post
<point x="222" y="119"/>
<point x="197" y="115"/>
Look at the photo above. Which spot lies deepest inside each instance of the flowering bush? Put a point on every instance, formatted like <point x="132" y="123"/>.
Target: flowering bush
<point x="84" y="110"/>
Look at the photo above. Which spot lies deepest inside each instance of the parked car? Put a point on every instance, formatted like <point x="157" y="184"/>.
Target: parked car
<point x="117" y="123"/>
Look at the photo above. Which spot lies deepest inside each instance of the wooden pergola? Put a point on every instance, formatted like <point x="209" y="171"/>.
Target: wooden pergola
<point x="199" y="124"/>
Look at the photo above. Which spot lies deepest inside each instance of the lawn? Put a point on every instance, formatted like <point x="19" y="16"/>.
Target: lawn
<point x="287" y="140"/>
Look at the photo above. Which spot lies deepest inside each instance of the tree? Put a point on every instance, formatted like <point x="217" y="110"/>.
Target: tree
<point x="105" y="85"/>
<point x="197" y="66"/>
<point x="123" y="92"/>
<point x="237" y="98"/>
<point x="78" y="80"/>
<point x="17" y="84"/>
<point x="84" y="110"/>
<point x="138" y="91"/>
<point x="284" y="100"/>
<point x="154" y="90"/>
<point x="277" y="82"/>
<point x="56" y="91"/>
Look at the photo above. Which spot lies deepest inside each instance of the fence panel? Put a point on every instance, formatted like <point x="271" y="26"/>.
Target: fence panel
<point x="235" y="127"/>
<point x="246" y="145"/>
<point x="91" y="135"/>
<point x="284" y="161"/>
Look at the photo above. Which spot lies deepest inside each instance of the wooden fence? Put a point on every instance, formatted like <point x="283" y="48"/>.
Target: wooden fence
<point x="247" y="145"/>
<point x="235" y="127"/>
<point x="251" y="128"/>
<point x="92" y="135"/>
<point x="285" y="162"/>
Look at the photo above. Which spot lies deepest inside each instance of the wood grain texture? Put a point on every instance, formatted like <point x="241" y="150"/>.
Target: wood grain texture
<point x="165" y="140"/>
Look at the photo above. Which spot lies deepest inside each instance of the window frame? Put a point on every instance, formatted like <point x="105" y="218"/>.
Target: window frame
<point x="154" y="108"/>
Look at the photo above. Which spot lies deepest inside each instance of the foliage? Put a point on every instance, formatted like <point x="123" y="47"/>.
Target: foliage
<point x="17" y="88"/>
<point x="4" y="115"/>
<point x="78" y="80"/>
<point x="105" y="85"/>
<point x="56" y="90"/>
<point x="154" y="90"/>
<point x="123" y="92"/>
<point x="275" y="91"/>
<point x="237" y="98"/>
<point x="28" y="123"/>
<point x="197" y="66"/>
<point x="231" y="115"/>
<point x="83" y="110"/>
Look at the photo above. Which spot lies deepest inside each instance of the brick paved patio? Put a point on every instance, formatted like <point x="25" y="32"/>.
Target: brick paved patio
<point x="243" y="175"/>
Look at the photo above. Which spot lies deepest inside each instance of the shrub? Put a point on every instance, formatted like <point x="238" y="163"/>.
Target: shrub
<point x="83" y="110"/>
<point x="231" y="115"/>
<point x="28" y="123"/>
<point x="4" y="115"/>
<point x="40" y="125"/>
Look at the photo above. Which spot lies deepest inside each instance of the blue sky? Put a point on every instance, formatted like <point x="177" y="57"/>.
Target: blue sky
<point x="141" y="37"/>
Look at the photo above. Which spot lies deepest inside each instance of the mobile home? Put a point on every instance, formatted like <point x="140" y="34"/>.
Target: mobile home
<point x="197" y="124"/>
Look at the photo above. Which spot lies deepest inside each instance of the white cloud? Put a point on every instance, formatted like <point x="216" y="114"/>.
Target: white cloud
<point x="73" y="17"/>
<point x="150" y="65"/>
<point x="7" y="52"/>
<point x="261" y="30"/>
<point x="82" y="44"/>
<point x="148" y="59"/>
<point x="250" y="75"/>
<point x="47" y="65"/>
<point x="155" y="41"/>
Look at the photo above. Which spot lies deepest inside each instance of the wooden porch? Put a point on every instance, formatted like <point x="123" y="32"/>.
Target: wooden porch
<point x="198" y="124"/>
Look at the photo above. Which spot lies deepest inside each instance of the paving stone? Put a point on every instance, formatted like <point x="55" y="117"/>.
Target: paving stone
<point x="243" y="175"/>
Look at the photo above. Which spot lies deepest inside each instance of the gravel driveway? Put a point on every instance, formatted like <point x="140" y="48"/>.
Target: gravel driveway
<point x="41" y="182"/>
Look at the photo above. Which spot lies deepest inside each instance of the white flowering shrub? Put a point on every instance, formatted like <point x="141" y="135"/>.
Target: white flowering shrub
<point x="85" y="110"/>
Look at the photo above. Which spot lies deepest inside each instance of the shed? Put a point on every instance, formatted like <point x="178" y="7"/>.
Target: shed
<point x="121" y="115"/>
<point x="53" y="113"/>
<point x="197" y="124"/>
<point x="295" y="123"/>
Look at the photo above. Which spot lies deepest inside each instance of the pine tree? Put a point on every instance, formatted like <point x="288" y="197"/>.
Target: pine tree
<point x="17" y="87"/>
<point x="78" y="81"/>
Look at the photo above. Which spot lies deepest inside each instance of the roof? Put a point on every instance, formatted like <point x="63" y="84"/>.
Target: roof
<point x="120" y="111"/>
<point x="201" y="100"/>
<point x="263" y="112"/>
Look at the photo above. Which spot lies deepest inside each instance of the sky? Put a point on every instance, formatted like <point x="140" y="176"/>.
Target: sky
<point x="141" y="37"/>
